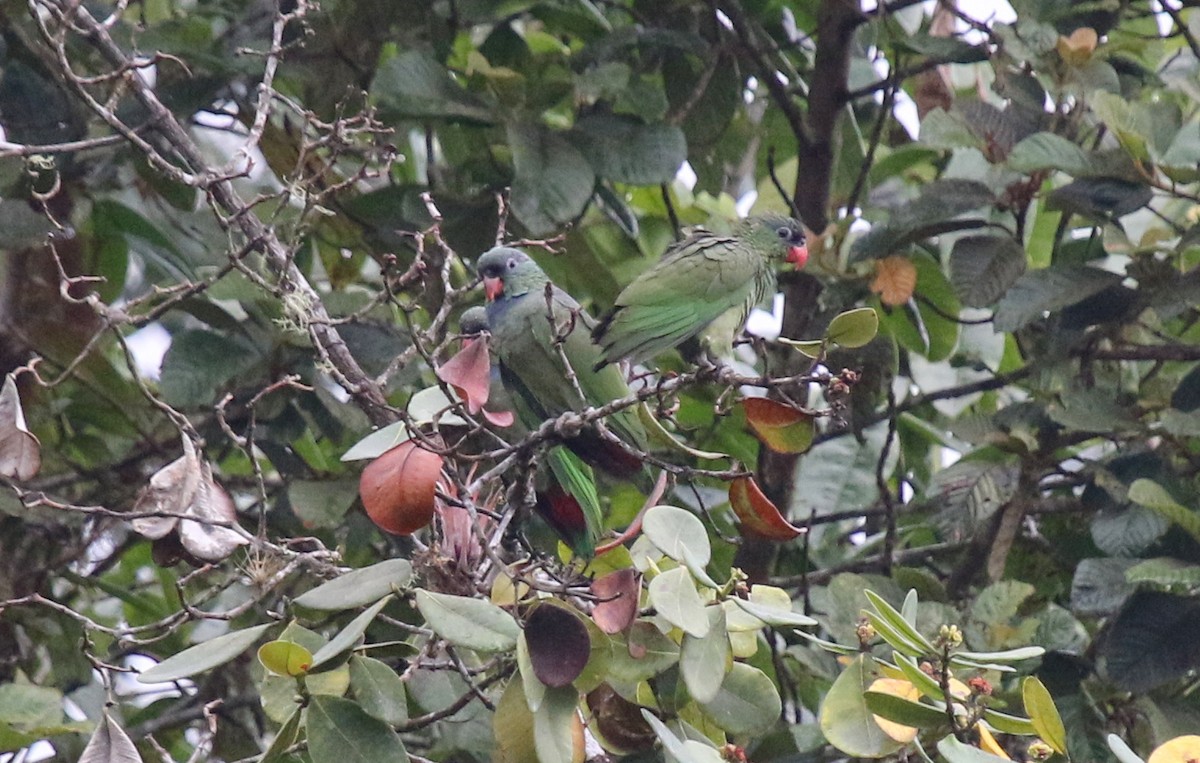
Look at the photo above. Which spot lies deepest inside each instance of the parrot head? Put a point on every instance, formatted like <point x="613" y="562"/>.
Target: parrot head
<point x="473" y="321"/>
<point x="508" y="272"/>
<point x="775" y="232"/>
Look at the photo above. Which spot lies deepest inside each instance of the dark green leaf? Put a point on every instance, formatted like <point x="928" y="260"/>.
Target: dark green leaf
<point x="1046" y="290"/>
<point x="471" y="623"/>
<point x="1150" y="642"/>
<point x="414" y="85"/>
<point x="339" y="731"/>
<point x="347" y="638"/>
<point x="628" y="151"/>
<point x="552" y="182"/>
<point x="933" y="212"/>
<point x="904" y="711"/>
<point x="378" y="689"/>
<point x="982" y="268"/>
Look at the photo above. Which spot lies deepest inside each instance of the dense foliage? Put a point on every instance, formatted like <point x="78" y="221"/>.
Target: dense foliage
<point x="951" y="511"/>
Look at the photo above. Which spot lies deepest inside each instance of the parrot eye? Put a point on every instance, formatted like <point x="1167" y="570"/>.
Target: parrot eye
<point x="785" y="233"/>
<point x="512" y="264"/>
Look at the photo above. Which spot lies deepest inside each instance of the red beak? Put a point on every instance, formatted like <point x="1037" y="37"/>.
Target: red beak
<point x="798" y="256"/>
<point x="493" y="288"/>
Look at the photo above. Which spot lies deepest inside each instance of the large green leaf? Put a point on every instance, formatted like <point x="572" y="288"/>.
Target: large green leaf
<point x="931" y="213"/>
<point x="1048" y="290"/>
<point x="554" y="725"/>
<point x="673" y="593"/>
<point x="199" y="364"/>
<point x="552" y="182"/>
<point x="1149" y="642"/>
<point x="747" y="702"/>
<point x="206" y="656"/>
<point x="628" y="151"/>
<point x="340" y="731"/>
<point x="673" y="530"/>
<point x="378" y="689"/>
<point x="359" y="587"/>
<point x="414" y="85"/>
<point x="471" y="623"/>
<point x="705" y="661"/>
<point x="982" y="268"/>
<point x="347" y="638"/>
<point x="846" y="721"/>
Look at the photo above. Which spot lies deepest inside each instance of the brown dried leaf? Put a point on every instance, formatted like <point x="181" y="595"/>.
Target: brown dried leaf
<point x="170" y="491"/>
<point x="203" y="539"/>
<point x="399" y="488"/>
<point x="758" y="515"/>
<point x="20" y="451"/>
<point x="895" y="280"/>
<point x="559" y="645"/>
<point x="617" y="605"/>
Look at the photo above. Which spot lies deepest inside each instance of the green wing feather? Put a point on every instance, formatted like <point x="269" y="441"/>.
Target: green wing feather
<point x="701" y="278"/>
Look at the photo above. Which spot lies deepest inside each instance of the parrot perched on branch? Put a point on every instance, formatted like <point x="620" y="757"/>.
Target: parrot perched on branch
<point x="548" y="361"/>
<point x="698" y="280"/>
<point x="565" y="489"/>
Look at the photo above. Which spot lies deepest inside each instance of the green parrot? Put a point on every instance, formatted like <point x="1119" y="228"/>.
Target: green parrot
<point x="698" y="280"/>
<point x="531" y="354"/>
<point x="566" y="496"/>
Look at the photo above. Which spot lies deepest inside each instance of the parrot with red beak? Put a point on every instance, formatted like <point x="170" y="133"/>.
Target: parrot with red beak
<point x="698" y="280"/>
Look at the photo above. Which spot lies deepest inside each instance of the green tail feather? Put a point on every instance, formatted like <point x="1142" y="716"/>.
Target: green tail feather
<point x="576" y="479"/>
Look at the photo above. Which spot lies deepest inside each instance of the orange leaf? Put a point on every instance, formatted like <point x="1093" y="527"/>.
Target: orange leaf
<point x="781" y="427"/>
<point x="1078" y="48"/>
<point x="758" y="515"/>
<point x="895" y="280"/>
<point x="398" y="488"/>
<point x="470" y="373"/>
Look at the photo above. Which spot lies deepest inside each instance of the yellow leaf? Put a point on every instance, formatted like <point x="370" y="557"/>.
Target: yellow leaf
<point x="1177" y="750"/>
<point x="897" y="688"/>
<point x="895" y="280"/>
<point x="988" y="743"/>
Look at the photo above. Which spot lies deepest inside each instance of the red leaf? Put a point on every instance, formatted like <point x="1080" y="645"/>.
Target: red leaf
<point x="758" y="515"/>
<point x="399" y="487"/>
<point x="781" y="427"/>
<point x="470" y="373"/>
<point x="618" y="600"/>
<point x="498" y="418"/>
<point x="620" y="724"/>
<point x="559" y="645"/>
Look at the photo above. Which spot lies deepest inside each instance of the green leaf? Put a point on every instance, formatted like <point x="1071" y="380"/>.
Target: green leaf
<point x="287" y="735"/>
<point x="470" y="623"/>
<point x="747" y="702"/>
<point x="378" y="442"/>
<point x="1009" y="655"/>
<point x="284" y="658"/>
<point x="704" y="662"/>
<point x="919" y="678"/>
<point x="554" y="725"/>
<point x="378" y="689"/>
<point x="627" y="151"/>
<point x="955" y="751"/>
<point x="28" y="706"/>
<point x="1099" y="586"/>
<point x="932" y="213"/>
<point x="322" y="503"/>
<point x="679" y="749"/>
<point x="339" y="731"/>
<point x="1100" y="197"/>
<point x="846" y="720"/>
<point x="199" y="364"/>
<point x="412" y="84"/>
<point x="110" y="744"/>
<point x="656" y="652"/>
<point x="552" y="182"/>
<point x="360" y="587"/>
<point x="202" y="657"/>
<point x="535" y="690"/>
<point x="779" y="618"/>
<point x="1048" y="290"/>
<point x="904" y="711"/>
<point x="673" y="594"/>
<point x="1009" y="724"/>
<point x="673" y="530"/>
<point x="1155" y="497"/>
<point x="982" y="268"/>
<point x="1048" y="151"/>
<point x="1043" y="714"/>
<point x="1163" y="571"/>
<point x="1149" y="642"/>
<point x="854" y="328"/>
<point x="347" y="638"/>
<point x="898" y="622"/>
